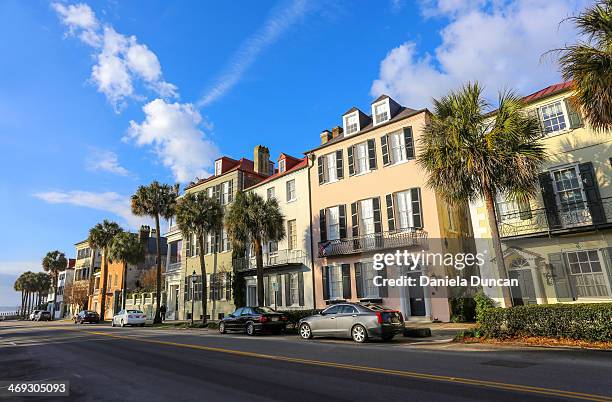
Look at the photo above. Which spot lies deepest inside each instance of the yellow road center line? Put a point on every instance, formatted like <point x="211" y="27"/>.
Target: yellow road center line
<point x="399" y="373"/>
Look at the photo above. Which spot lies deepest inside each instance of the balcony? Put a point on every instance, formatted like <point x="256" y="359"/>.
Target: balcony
<point x="175" y="264"/>
<point x="569" y="218"/>
<point x="278" y="258"/>
<point x="373" y="242"/>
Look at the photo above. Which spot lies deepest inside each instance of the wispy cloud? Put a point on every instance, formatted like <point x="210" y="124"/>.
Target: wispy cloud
<point x="276" y="25"/>
<point x="18" y="267"/>
<point x="116" y="204"/>
<point x="100" y="160"/>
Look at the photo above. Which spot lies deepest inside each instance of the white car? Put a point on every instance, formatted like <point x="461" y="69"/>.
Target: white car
<point x="129" y="317"/>
<point x="33" y="314"/>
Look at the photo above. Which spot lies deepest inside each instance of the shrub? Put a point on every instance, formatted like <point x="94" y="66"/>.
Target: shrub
<point x="483" y="304"/>
<point x="589" y="322"/>
<point x="463" y="309"/>
<point x="294" y="316"/>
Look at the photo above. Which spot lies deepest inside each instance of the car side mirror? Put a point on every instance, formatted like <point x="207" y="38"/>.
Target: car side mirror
<point x="321" y="312"/>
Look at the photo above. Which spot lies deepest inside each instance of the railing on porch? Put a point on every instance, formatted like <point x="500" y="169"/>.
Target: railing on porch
<point x="373" y="242"/>
<point x="280" y="257"/>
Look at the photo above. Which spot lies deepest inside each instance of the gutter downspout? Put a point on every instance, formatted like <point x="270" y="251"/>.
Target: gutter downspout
<point x="312" y="264"/>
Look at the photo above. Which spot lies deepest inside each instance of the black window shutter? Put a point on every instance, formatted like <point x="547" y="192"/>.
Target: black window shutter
<point x="351" y="165"/>
<point x="572" y="113"/>
<point x="534" y="114"/>
<point x="372" y="154"/>
<point x="417" y="210"/>
<point x="322" y="225"/>
<point x="385" y="150"/>
<point x="409" y="142"/>
<point x="383" y="291"/>
<point x="342" y="219"/>
<point x="354" y="219"/>
<point x="320" y="168"/>
<point x="591" y="189"/>
<point x="607" y="253"/>
<point x="287" y="290"/>
<point x="279" y="292"/>
<point x="563" y="288"/>
<point x="339" y="165"/>
<point x="376" y="208"/>
<point x="359" y="279"/>
<point x="390" y="213"/>
<point x="301" y="288"/>
<point x="550" y="202"/>
<point x="325" y="276"/>
<point x="524" y="209"/>
<point x="346" y="281"/>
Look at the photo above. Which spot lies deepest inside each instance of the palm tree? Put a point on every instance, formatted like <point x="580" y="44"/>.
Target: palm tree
<point x="471" y="154"/>
<point x="43" y="284"/>
<point x="127" y="248"/>
<point x="251" y="220"/>
<point x="101" y="237"/>
<point x="588" y="64"/>
<point x="53" y="263"/>
<point x="155" y="200"/>
<point x="19" y="287"/>
<point x="28" y="286"/>
<point x="198" y="214"/>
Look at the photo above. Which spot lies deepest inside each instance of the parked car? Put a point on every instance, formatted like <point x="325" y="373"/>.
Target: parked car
<point x="43" y="315"/>
<point x="87" y="316"/>
<point x="33" y="314"/>
<point x="254" y="319"/>
<point x="352" y="320"/>
<point x="129" y="317"/>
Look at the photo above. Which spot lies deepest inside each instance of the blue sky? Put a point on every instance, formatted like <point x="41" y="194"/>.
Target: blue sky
<point x="99" y="97"/>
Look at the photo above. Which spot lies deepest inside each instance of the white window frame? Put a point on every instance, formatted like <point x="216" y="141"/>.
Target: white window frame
<point x="371" y="273"/>
<point x="210" y="192"/>
<point x="401" y="147"/>
<point x="210" y="247"/>
<point x="348" y="125"/>
<point x="292" y="234"/>
<point x="403" y="215"/>
<point x="603" y="272"/>
<point x="565" y="117"/>
<point x="330" y="173"/>
<point x="218" y="167"/>
<point x="335" y="272"/>
<point x="358" y="170"/>
<point x="509" y="209"/>
<point x="294" y="289"/>
<point x="291" y="197"/>
<point x="366" y="222"/>
<point x="385" y="103"/>
<point x="225" y="192"/>
<point x="270" y="192"/>
<point x="333" y="226"/>
<point x="224" y="240"/>
<point x="579" y="209"/>
<point x="282" y="166"/>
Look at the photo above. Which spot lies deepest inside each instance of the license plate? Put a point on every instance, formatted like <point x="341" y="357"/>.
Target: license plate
<point x="274" y="319"/>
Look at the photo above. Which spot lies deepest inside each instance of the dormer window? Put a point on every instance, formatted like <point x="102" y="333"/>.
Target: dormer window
<point x="380" y="111"/>
<point x="282" y="166"/>
<point x="351" y="123"/>
<point x="218" y="167"/>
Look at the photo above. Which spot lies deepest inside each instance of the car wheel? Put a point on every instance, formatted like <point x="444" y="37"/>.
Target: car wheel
<point x="359" y="334"/>
<point x="222" y="328"/>
<point x="122" y="324"/>
<point x="305" y="331"/>
<point x="250" y="329"/>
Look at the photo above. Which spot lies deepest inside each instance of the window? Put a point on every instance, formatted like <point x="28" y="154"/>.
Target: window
<point x="225" y="244"/>
<point x="381" y="112"/>
<point x="553" y="117"/>
<point x="398" y="147"/>
<point x="210" y="192"/>
<point x="225" y="192"/>
<point x="218" y="167"/>
<point x="346" y="309"/>
<point x="351" y="123"/>
<point x="116" y="280"/>
<point x="370" y="291"/>
<point x="210" y="243"/>
<point x="272" y="247"/>
<point x="330" y="168"/>
<point x="294" y="290"/>
<point x="589" y="277"/>
<point x="333" y="223"/>
<point x="367" y="216"/>
<point x="405" y="209"/>
<point x="361" y="158"/>
<point x="291" y="190"/>
<point x="508" y="208"/>
<point x="282" y="166"/>
<point x="270" y="193"/>
<point x="335" y="282"/>
<point x="570" y="196"/>
<point x="292" y="234"/>
<point x="333" y="310"/>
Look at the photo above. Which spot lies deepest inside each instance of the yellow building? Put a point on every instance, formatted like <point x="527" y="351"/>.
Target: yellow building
<point x="88" y="262"/>
<point x="558" y="246"/>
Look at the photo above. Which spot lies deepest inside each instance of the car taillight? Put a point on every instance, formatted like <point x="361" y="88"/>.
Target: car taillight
<point x="379" y="317"/>
<point x="263" y="318"/>
<point x="130" y="316"/>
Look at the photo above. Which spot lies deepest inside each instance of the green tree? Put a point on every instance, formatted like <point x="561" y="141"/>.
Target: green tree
<point x="127" y="248"/>
<point x="19" y="287"/>
<point x="469" y="153"/>
<point x="588" y="64"/>
<point x="100" y="237"/>
<point x="42" y="283"/>
<point x="157" y="201"/>
<point x="54" y="263"/>
<point x="251" y="220"/>
<point x="198" y="214"/>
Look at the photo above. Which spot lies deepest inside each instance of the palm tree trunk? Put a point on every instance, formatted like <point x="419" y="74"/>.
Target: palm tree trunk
<point x="259" y="263"/>
<point x="123" y="283"/>
<point x="204" y="281"/>
<point x="102" y="294"/>
<point x="54" y="296"/>
<point x="22" y="307"/>
<point x="499" y="256"/>
<point x="157" y="319"/>
<point x="29" y="302"/>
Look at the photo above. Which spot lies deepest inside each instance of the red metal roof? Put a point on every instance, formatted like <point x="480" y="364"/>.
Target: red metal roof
<point x="302" y="164"/>
<point x="548" y="91"/>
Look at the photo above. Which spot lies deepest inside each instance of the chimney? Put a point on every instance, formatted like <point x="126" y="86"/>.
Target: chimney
<point x="336" y="131"/>
<point x="261" y="160"/>
<point x="326" y="135"/>
<point x="143" y="234"/>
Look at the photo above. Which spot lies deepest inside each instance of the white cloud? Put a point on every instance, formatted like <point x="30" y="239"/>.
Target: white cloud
<point x="105" y="161"/>
<point x="272" y="29"/>
<point x="500" y="44"/>
<point x="173" y="129"/>
<point x="121" y="60"/>
<point x="112" y="202"/>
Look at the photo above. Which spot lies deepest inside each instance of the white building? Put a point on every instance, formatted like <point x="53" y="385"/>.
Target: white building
<point x="63" y="279"/>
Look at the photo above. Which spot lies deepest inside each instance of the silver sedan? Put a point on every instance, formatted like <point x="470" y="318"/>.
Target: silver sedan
<point x="353" y="320"/>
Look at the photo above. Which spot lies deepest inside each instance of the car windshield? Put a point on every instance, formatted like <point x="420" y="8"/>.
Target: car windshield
<point x="374" y="307"/>
<point x="134" y="311"/>
<point x="263" y="310"/>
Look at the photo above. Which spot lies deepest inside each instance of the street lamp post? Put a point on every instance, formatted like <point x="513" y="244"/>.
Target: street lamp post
<point x="193" y="282"/>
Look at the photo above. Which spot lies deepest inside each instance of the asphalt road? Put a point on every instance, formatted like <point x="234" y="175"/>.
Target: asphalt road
<point x="112" y="364"/>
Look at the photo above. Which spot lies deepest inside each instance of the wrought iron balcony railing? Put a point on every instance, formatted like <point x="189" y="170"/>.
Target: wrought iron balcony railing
<point x="174" y="266"/>
<point x="278" y="258"/>
<point x="373" y="242"/>
<point x="575" y="215"/>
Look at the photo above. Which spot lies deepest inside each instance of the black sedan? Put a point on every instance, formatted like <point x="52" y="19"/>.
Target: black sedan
<point x="254" y="319"/>
<point x="87" y="316"/>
